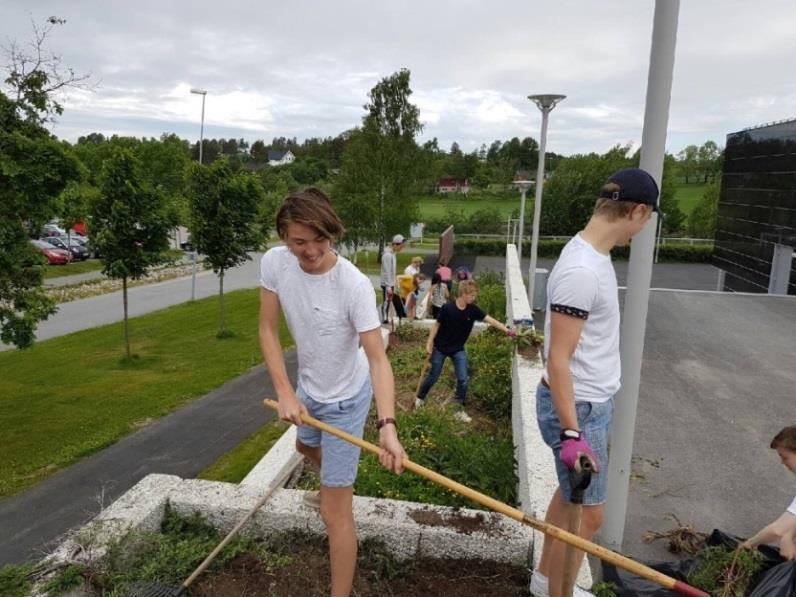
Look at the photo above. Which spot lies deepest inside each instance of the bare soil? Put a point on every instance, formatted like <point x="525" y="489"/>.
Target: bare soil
<point x="307" y="575"/>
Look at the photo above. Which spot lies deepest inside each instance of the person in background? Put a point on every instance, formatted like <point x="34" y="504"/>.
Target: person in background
<point x="783" y="530"/>
<point x="413" y="298"/>
<point x="414" y="267"/>
<point x="445" y="274"/>
<point x="439" y="294"/>
<point x="389" y="280"/>
<point x="446" y="339"/>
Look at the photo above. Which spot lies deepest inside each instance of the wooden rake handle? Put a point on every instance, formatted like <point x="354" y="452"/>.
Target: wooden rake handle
<point x="548" y="529"/>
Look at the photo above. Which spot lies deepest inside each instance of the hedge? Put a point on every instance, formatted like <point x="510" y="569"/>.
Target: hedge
<point x="552" y="248"/>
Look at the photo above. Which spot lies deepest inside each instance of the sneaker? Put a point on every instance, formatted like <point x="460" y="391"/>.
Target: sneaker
<point x="540" y="587"/>
<point x="419" y="403"/>
<point x="312" y="499"/>
<point x="462" y="416"/>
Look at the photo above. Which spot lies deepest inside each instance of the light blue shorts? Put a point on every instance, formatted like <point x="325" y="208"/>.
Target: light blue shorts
<point x="339" y="459"/>
<point x="594" y="419"/>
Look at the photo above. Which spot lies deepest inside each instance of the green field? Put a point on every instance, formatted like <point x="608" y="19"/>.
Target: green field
<point x="71" y="396"/>
<point x="688" y="196"/>
<point x="433" y="207"/>
<point x="70" y="269"/>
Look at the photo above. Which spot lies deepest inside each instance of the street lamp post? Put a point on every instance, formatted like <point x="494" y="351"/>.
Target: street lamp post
<point x="545" y="103"/>
<point x="203" y="93"/>
<point x="523" y="186"/>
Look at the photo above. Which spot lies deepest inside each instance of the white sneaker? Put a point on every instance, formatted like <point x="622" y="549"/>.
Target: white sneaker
<point x="312" y="499"/>
<point x="462" y="416"/>
<point x="540" y="587"/>
<point x="419" y="403"/>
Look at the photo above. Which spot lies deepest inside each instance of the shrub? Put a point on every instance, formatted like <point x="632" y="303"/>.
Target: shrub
<point x="432" y="438"/>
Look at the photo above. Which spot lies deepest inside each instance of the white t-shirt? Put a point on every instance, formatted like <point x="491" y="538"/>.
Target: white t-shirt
<point x="583" y="284"/>
<point x="325" y="314"/>
<point x="792" y="507"/>
<point x="411" y="270"/>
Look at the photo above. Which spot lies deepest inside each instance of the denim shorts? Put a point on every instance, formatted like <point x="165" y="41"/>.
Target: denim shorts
<point x="339" y="459"/>
<point x="594" y="419"/>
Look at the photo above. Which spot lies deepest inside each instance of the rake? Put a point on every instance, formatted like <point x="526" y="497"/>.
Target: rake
<point x="151" y="588"/>
<point x="607" y="555"/>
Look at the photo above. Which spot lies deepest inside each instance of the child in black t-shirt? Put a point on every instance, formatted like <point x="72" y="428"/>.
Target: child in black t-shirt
<point x="454" y="323"/>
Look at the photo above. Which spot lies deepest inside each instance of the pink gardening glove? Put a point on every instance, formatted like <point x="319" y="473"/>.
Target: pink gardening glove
<point x="511" y="333"/>
<point x="572" y="449"/>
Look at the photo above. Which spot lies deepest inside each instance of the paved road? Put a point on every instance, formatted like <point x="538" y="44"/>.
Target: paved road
<point x="183" y="443"/>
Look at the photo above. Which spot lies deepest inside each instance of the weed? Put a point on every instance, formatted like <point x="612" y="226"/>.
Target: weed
<point x="14" y="581"/>
<point x="724" y="572"/>
<point x="71" y="577"/>
<point x="604" y="589"/>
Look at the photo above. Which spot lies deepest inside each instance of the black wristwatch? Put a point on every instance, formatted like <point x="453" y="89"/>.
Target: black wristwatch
<point x="569" y="434"/>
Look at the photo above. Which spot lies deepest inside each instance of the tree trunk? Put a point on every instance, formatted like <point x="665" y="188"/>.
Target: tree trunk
<point x="126" y="327"/>
<point x="221" y="300"/>
<point x="382" y="232"/>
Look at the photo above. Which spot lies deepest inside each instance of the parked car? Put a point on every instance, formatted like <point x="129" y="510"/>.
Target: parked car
<point x="54" y="255"/>
<point x="74" y="246"/>
<point x="52" y="229"/>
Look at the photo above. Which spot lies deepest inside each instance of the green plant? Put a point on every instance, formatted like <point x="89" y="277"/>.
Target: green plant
<point x="604" y="589"/>
<point x="14" y="581"/>
<point x="432" y="438"/>
<point x="490" y="388"/>
<point x="724" y="572"/>
<point x="71" y="577"/>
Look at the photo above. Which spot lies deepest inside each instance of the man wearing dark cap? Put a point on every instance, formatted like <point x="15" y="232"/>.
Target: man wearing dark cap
<point x="574" y="399"/>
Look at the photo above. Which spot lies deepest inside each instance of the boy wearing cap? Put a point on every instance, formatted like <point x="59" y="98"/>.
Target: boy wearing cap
<point x="574" y="400"/>
<point x="389" y="279"/>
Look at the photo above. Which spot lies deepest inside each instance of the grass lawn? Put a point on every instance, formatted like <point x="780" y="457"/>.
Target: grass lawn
<point x="233" y="466"/>
<point x="71" y="396"/>
<point x="434" y="207"/>
<point x="688" y="195"/>
<point x="76" y="267"/>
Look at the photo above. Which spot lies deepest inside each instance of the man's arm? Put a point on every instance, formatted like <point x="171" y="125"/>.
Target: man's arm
<point x="496" y="324"/>
<point x="565" y="333"/>
<point x="431" y="335"/>
<point x="290" y="407"/>
<point x="392" y="453"/>
<point x="782" y="528"/>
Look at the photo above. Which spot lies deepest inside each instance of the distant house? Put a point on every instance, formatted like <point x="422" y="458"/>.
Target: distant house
<point x="453" y="185"/>
<point x="280" y="158"/>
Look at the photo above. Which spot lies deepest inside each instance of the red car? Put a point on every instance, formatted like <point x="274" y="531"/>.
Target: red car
<point x="54" y="255"/>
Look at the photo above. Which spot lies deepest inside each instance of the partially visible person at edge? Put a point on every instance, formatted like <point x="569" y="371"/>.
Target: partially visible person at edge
<point x="438" y="293"/>
<point x="447" y="338"/>
<point x="781" y="531"/>
<point x="389" y="280"/>
<point x="413" y="298"/>
<point x="330" y="310"/>
<point x="574" y="400"/>
<point x="446" y="274"/>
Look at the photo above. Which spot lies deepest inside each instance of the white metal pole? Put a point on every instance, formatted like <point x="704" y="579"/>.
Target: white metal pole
<point x="653" y="142"/>
<point x="522" y="224"/>
<point x="202" y="129"/>
<point x="537" y="206"/>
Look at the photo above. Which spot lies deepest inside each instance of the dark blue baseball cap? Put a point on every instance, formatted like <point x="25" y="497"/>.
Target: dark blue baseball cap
<point x="635" y="185"/>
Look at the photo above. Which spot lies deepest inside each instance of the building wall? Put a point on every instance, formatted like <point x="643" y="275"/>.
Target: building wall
<point x="757" y="207"/>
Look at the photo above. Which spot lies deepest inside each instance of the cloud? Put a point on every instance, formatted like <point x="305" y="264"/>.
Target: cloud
<point x="304" y="68"/>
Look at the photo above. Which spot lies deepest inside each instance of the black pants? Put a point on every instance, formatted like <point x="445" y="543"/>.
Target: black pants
<point x="385" y="305"/>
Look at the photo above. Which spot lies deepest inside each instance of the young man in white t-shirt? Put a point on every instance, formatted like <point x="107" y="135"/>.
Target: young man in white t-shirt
<point x="330" y="308"/>
<point x="574" y="400"/>
<point x="783" y="529"/>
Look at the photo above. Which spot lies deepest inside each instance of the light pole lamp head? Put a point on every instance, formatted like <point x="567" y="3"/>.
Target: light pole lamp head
<point x="546" y="102"/>
<point x="199" y="91"/>
<point x="523" y="185"/>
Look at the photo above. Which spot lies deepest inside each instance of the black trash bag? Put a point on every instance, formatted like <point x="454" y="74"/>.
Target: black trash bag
<point x="777" y="578"/>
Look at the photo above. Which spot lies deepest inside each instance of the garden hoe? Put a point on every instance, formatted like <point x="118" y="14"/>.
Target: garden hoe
<point x="156" y="589"/>
<point x="548" y="529"/>
<point x="423" y="371"/>
<point x="579" y="480"/>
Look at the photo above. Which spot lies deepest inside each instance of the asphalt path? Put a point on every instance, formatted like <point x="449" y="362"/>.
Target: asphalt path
<point x="183" y="443"/>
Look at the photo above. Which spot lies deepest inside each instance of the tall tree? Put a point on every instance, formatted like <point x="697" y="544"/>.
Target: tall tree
<point x="130" y="224"/>
<point x="709" y="160"/>
<point x="223" y="225"/>
<point x="34" y="169"/>
<point x="689" y="162"/>
<point x="382" y="165"/>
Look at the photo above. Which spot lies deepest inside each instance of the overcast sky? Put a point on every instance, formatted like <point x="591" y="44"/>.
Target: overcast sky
<point x="303" y="68"/>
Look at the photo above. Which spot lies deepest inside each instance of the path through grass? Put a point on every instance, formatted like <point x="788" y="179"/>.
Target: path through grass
<point x="71" y="396"/>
